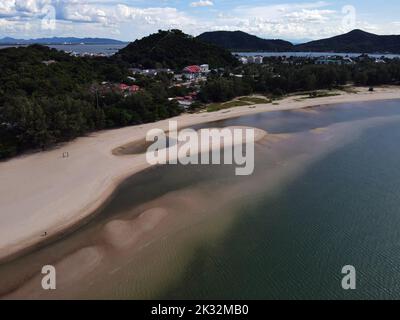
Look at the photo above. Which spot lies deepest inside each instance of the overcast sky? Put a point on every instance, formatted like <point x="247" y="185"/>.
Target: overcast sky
<point x="132" y="19"/>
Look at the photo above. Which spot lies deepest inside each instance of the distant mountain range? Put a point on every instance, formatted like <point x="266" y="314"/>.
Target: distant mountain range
<point x="60" y="40"/>
<point x="357" y="41"/>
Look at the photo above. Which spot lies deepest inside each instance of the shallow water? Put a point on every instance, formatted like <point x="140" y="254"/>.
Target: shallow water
<point x="343" y="210"/>
<point x="318" y="200"/>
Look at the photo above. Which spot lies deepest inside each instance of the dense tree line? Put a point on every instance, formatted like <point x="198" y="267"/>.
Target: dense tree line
<point x="42" y="104"/>
<point x="220" y="89"/>
<point x="276" y="78"/>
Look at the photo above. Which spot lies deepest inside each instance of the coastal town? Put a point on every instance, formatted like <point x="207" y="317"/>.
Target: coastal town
<point x="194" y="76"/>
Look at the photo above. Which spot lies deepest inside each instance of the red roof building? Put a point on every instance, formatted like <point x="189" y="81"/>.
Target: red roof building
<point x="123" y="87"/>
<point x="134" y="88"/>
<point x="192" y="69"/>
<point x="130" y="89"/>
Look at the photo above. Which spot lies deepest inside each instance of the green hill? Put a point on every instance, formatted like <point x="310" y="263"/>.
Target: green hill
<point x="354" y="41"/>
<point x="173" y="49"/>
<point x="241" y="41"/>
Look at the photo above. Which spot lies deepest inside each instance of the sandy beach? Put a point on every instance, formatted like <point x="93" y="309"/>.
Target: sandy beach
<point x="43" y="194"/>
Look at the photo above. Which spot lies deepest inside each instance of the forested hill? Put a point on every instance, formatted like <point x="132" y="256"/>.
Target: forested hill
<point x="241" y="41"/>
<point x="354" y="41"/>
<point x="357" y="41"/>
<point x="173" y="49"/>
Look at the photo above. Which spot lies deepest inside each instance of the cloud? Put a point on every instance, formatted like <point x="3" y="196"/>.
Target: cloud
<point x="131" y="19"/>
<point x="29" y="7"/>
<point x="86" y="14"/>
<point x="22" y="8"/>
<point x="286" y="20"/>
<point x="202" y="3"/>
<point x="277" y="10"/>
<point x="309" y="16"/>
<point x="162" y="17"/>
<point x="7" y="8"/>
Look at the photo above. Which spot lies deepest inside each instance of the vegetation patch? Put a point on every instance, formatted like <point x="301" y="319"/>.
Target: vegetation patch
<point x="254" y="100"/>
<point x="348" y="89"/>
<point x="320" y="94"/>
<point x="231" y="104"/>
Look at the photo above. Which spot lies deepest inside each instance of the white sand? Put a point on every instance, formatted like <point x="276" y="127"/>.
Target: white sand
<point x="45" y="193"/>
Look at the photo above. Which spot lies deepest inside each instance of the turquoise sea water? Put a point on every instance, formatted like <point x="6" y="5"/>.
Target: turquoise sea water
<point x="344" y="210"/>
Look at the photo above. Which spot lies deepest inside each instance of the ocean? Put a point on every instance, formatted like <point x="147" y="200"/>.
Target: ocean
<point x="106" y="49"/>
<point x="110" y="49"/>
<point x="315" y="54"/>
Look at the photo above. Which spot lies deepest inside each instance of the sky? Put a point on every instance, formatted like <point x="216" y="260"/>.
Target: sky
<point x="132" y="19"/>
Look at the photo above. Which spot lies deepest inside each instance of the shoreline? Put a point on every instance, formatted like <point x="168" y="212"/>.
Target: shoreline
<point x="81" y="184"/>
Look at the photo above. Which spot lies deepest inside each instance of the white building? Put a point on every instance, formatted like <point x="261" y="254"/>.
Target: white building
<point x="255" y="59"/>
<point x="243" y="60"/>
<point x="348" y="60"/>
<point x="205" y="68"/>
<point x="258" y="60"/>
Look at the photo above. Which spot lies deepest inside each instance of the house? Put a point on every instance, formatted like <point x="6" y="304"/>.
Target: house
<point x="365" y="57"/>
<point x="192" y="72"/>
<point x="178" y="77"/>
<point x="255" y="59"/>
<point x="133" y="88"/>
<point x="380" y="60"/>
<point x="169" y="71"/>
<point x="122" y="87"/>
<point x="49" y="62"/>
<point x="192" y="69"/>
<point x="205" y="68"/>
<point x="329" y="60"/>
<point x="144" y="72"/>
<point x="243" y="60"/>
<point x="184" y="102"/>
<point x="348" y="60"/>
<point x="258" y="60"/>
<point x="149" y="72"/>
<point x="127" y="90"/>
